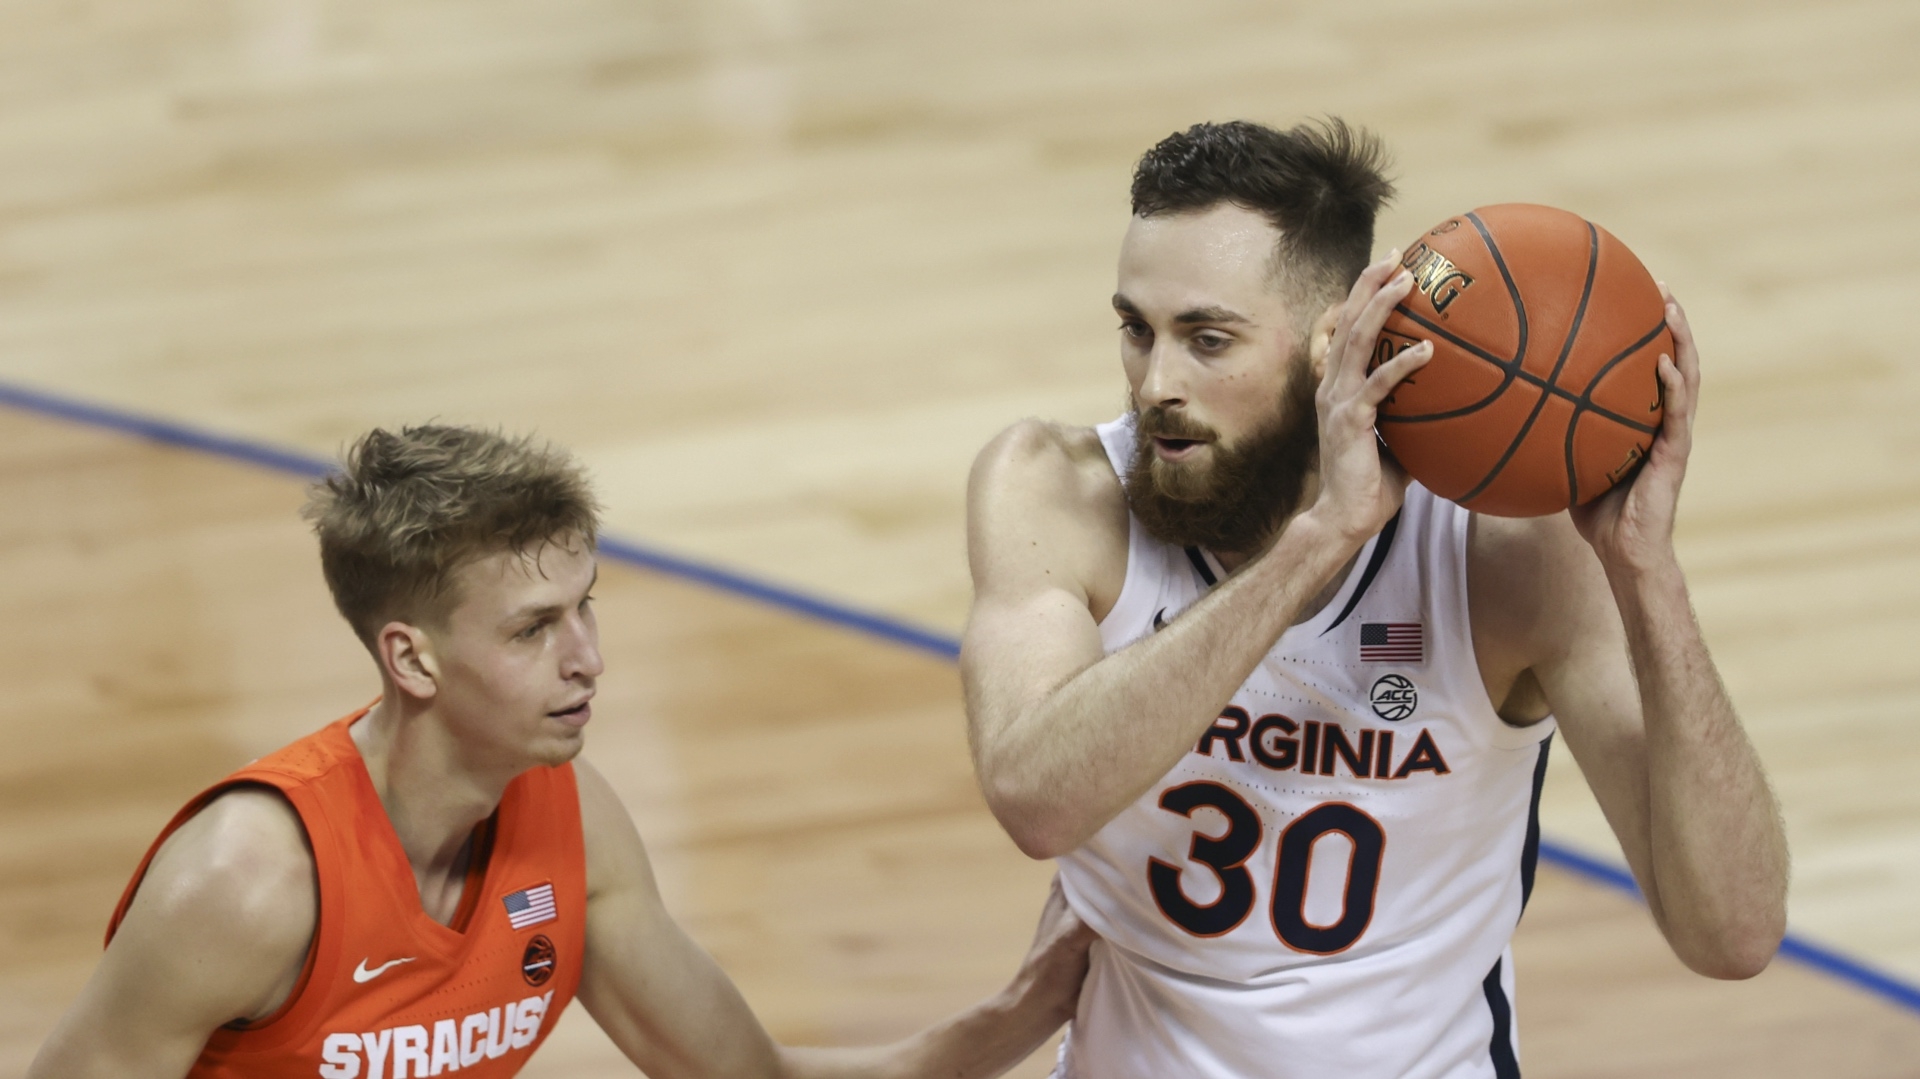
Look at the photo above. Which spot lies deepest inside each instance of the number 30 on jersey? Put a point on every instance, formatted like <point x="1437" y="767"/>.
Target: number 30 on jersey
<point x="1225" y="855"/>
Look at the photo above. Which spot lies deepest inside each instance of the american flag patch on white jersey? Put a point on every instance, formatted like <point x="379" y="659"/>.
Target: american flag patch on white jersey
<point x="531" y="906"/>
<point x="1392" y="642"/>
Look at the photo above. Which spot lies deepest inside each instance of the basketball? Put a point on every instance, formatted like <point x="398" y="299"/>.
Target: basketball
<point x="1543" y="391"/>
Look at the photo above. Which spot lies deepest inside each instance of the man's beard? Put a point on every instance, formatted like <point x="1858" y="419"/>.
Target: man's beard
<point x="1237" y="502"/>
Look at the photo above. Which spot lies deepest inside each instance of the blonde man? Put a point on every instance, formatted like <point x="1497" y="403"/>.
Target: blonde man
<point x="420" y="887"/>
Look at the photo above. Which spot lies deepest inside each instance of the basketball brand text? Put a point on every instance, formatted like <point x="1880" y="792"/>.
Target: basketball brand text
<point x="415" y="1052"/>
<point x="1435" y="276"/>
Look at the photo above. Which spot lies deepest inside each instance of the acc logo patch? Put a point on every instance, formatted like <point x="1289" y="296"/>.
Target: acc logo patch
<point x="1393" y="697"/>
<point x="536" y="963"/>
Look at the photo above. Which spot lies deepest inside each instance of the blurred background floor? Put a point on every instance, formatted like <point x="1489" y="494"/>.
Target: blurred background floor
<point x="777" y="268"/>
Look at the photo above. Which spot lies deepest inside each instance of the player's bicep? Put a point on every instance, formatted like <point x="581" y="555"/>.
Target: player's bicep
<point x="1020" y="647"/>
<point x="654" y="991"/>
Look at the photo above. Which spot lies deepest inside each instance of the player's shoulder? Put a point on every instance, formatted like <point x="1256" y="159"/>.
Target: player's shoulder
<point x="1064" y="465"/>
<point x="244" y="859"/>
<point x="227" y="909"/>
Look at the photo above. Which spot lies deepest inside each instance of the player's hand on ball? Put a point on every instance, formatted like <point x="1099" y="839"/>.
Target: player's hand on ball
<point x="1631" y="526"/>
<point x="1360" y="486"/>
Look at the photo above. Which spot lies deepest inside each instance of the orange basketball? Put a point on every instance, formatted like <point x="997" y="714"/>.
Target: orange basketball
<point x="1543" y="390"/>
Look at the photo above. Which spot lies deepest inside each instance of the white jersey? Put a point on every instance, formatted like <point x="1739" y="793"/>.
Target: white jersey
<point x="1327" y="884"/>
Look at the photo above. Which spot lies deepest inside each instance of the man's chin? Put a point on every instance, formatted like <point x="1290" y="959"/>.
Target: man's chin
<point x="558" y="749"/>
<point x="1185" y="480"/>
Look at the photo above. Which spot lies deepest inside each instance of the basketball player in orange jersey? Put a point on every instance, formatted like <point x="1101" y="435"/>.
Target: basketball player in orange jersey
<point x="421" y="887"/>
<point x="1283" y="718"/>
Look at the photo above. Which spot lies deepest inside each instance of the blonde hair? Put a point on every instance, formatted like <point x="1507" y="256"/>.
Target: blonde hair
<point x="407" y="510"/>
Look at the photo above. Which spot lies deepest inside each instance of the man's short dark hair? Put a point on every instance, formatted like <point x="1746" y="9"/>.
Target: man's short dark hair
<point x="1320" y="184"/>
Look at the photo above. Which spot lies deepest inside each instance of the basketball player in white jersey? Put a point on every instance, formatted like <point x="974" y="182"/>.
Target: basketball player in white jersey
<point x="1283" y="718"/>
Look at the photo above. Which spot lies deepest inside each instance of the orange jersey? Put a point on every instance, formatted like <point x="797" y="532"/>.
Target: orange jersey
<point x="387" y="992"/>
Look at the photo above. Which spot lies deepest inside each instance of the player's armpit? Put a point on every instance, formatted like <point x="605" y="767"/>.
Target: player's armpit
<point x="218" y="931"/>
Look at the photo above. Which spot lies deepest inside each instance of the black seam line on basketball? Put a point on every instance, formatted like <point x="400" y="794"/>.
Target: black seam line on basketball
<point x="1585" y="404"/>
<point x="1573" y="476"/>
<point x="1566" y="349"/>
<point x="1511" y="370"/>
<point x="1513" y="288"/>
<point x="1374" y="561"/>
<point x="1513" y="374"/>
<point x="1200" y="563"/>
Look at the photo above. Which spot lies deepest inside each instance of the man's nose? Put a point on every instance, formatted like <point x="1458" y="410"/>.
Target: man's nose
<point x="582" y="658"/>
<point x="1164" y="384"/>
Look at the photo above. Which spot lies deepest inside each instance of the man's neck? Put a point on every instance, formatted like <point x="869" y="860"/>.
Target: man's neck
<point x="433" y="794"/>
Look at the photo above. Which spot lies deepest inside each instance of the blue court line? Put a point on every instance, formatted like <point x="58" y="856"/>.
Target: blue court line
<point x="1880" y="983"/>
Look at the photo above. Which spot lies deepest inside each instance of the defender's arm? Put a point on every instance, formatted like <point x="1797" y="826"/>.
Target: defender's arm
<point x="1645" y="713"/>
<point x="675" y="1014"/>
<point x="1063" y="737"/>
<point x="218" y="931"/>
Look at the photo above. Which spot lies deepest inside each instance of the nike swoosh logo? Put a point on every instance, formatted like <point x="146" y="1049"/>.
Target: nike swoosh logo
<point x="362" y="975"/>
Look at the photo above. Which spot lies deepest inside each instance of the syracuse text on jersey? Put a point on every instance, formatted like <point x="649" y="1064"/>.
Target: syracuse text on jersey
<point x="449" y="1047"/>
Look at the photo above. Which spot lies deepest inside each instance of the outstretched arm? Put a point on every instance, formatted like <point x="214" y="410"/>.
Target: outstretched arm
<point x="673" y="1011"/>
<point x="1645" y="712"/>
<point x="1064" y="737"/>
<point x="217" y="932"/>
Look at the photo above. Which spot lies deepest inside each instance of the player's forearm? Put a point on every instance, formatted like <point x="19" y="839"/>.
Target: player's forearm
<point x="1060" y="769"/>
<point x="1717" y="849"/>
<point x="979" y="1043"/>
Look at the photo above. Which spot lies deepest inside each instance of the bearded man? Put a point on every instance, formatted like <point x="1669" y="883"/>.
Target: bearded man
<point x="1283" y="718"/>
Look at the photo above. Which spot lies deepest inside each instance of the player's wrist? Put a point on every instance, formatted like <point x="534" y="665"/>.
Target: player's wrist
<point x="1332" y="528"/>
<point x="1641" y="579"/>
<point x="1635" y="563"/>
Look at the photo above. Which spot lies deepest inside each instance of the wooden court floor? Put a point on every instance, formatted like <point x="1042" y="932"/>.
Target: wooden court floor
<point x="777" y="269"/>
<point x="805" y="790"/>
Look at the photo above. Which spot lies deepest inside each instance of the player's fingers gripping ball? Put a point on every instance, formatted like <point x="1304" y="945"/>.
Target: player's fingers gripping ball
<point x="1544" y="389"/>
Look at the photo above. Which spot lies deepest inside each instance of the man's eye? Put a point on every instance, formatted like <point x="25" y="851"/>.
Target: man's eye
<point x="1212" y="342"/>
<point x="530" y="632"/>
<point x="1136" y="330"/>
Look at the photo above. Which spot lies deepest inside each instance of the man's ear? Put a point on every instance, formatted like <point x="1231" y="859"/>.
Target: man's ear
<point x="405" y="653"/>
<point x="1320" y="339"/>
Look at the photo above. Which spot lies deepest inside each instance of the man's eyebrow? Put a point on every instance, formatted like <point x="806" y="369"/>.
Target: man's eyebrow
<point x="1193" y="316"/>
<point x="543" y="609"/>
<point x="1209" y="314"/>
